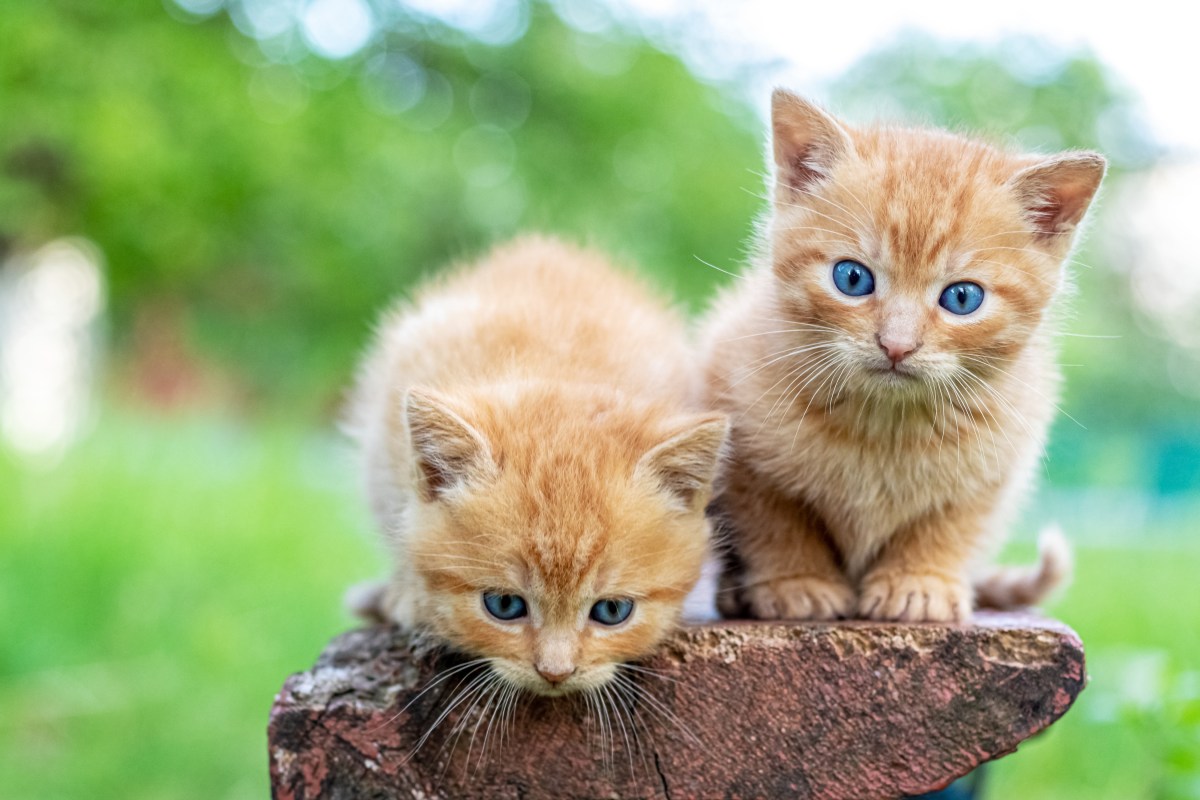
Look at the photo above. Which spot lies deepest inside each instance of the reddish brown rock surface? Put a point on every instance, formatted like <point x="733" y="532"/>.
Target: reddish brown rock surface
<point x="849" y="710"/>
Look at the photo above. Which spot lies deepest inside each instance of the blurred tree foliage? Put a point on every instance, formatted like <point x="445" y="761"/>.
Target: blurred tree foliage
<point x="1021" y="90"/>
<point x="264" y="202"/>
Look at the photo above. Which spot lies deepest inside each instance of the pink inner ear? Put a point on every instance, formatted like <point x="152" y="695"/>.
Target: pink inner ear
<point x="806" y="141"/>
<point x="1045" y="216"/>
<point x="803" y="170"/>
<point x="1056" y="193"/>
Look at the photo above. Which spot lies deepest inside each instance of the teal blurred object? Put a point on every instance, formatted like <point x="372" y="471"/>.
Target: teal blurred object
<point x="1178" y="462"/>
<point x="966" y="788"/>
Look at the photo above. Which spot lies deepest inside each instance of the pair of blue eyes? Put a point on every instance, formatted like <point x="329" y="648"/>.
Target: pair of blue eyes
<point x="853" y="279"/>
<point x="507" y="607"/>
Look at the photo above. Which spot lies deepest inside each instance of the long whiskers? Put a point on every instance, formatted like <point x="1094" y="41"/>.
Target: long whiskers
<point x="992" y="365"/>
<point x="776" y="358"/>
<point x="651" y="703"/>
<point x="801" y="371"/>
<point x="440" y="678"/>
<point x="463" y="695"/>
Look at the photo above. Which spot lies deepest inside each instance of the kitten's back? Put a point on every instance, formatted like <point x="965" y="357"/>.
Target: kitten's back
<point x="537" y="309"/>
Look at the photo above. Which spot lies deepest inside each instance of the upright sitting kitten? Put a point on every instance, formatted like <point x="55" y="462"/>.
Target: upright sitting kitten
<point x="534" y="467"/>
<point x="889" y="370"/>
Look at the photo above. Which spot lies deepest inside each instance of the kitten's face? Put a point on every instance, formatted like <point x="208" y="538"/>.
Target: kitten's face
<point x="908" y="258"/>
<point x="560" y="555"/>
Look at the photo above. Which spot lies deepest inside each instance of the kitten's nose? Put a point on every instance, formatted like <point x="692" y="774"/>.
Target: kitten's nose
<point x="897" y="349"/>
<point x="555" y="676"/>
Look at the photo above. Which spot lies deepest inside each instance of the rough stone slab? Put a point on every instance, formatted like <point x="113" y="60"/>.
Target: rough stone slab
<point x="846" y="710"/>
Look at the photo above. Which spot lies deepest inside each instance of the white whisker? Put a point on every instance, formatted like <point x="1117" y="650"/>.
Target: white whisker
<point x="441" y="677"/>
<point x="718" y="269"/>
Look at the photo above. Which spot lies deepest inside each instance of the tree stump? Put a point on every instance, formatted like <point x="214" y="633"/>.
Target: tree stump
<point x="732" y="709"/>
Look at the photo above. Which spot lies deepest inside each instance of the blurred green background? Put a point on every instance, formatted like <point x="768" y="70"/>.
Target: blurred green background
<point x="204" y="203"/>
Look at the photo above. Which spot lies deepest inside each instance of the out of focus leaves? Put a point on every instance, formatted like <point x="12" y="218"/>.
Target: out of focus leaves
<point x="1021" y="90"/>
<point x="275" y="199"/>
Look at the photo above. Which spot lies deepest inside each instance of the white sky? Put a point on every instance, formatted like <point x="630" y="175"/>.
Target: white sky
<point x="1151" y="45"/>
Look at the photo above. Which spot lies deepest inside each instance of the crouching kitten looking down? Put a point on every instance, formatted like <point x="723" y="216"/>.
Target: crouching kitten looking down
<point x="533" y="465"/>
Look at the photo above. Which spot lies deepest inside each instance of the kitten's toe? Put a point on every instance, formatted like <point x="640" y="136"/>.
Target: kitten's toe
<point x="914" y="598"/>
<point x="805" y="597"/>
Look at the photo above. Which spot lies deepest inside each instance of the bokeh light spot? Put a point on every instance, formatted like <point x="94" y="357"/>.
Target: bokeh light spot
<point x="199" y="8"/>
<point x="393" y="83"/>
<point x="48" y="315"/>
<point x="264" y="19"/>
<point x="338" y="28"/>
<point x="435" y="106"/>
<point x="494" y="22"/>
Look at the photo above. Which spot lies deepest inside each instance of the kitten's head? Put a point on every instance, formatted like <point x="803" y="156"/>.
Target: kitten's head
<point x="557" y="529"/>
<point x="914" y="255"/>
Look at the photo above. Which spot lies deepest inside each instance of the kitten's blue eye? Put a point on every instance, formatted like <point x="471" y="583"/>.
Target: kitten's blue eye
<point x="612" y="612"/>
<point x="505" y="607"/>
<point x="852" y="278"/>
<point x="962" y="298"/>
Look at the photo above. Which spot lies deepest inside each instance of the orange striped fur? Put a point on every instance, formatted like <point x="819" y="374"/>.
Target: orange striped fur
<point x="525" y="429"/>
<point x="859" y="487"/>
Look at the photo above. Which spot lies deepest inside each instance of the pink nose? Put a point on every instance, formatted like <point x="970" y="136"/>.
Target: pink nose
<point x="553" y="677"/>
<point x="897" y="349"/>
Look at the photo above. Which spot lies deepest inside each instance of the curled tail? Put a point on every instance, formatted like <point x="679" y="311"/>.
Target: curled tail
<point x="1012" y="587"/>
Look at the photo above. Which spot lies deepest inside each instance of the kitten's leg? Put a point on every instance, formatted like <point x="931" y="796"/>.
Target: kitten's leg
<point x="921" y="575"/>
<point x="790" y="570"/>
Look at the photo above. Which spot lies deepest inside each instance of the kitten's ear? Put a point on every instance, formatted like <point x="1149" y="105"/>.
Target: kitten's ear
<point x="447" y="450"/>
<point x="1055" y="193"/>
<point x="685" y="464"/>
<point x="807" y="141"/>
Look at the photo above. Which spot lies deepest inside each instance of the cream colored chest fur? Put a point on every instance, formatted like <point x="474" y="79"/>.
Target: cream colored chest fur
<point x="869" y="487"/>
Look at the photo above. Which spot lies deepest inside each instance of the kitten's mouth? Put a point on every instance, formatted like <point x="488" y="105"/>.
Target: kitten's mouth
<point x="895" y="373"/>
<point x="562" y="689"/>
<point x="547" y="690"/>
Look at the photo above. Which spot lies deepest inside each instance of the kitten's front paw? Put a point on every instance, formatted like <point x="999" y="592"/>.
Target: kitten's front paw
<point x="800" y="597"/>
<point x="906" y="597"/>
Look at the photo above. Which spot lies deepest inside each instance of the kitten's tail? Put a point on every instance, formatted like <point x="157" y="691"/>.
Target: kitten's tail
<point x="1013" y="587"/>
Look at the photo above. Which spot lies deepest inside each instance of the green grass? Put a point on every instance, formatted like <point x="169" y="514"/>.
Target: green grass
<point x="155" y="589"/>
<point x="1134" y="733"/>
<point x="158" y="585"/>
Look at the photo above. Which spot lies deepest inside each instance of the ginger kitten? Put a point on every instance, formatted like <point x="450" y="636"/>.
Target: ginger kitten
<point x="888" y="369"/>
<point x="533" y="464"/>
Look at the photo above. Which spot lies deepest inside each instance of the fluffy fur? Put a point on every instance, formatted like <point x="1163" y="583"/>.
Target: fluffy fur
<point x="881" y="443"/>
<point x="525" y="430"/>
